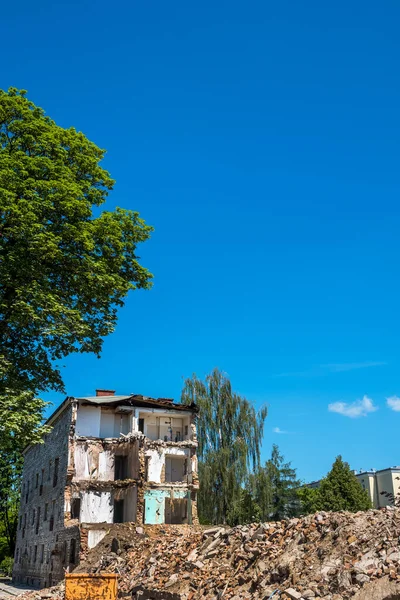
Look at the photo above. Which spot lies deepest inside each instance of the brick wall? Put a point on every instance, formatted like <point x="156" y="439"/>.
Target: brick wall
<point x="42" y="541"/>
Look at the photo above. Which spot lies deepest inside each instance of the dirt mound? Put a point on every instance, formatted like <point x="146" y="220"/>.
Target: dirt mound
<point x="332" y="556"/>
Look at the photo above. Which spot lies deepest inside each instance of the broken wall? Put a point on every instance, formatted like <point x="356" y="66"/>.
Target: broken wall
<point x="95" y="459"/>
<point x="155" y="504"/>
<point x="88" y="421"/>
<point x="96" y="507"/>
<point x="157" y="462"/>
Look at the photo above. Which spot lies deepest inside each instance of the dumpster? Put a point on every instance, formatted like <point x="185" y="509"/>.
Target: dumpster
<point x="87" y="586"/>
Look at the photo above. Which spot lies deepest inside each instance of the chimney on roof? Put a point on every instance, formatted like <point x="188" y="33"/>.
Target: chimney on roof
<point x="105" y="392"/>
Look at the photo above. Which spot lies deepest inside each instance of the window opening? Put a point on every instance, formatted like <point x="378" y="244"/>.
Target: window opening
<point x="55" y="477"/>
<point x="75" y="508"/>
<point x="118" y="511"/>
<point x="120" y="467"/>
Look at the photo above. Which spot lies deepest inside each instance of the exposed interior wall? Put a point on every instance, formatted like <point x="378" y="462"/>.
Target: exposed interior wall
<point x="107" y="423"/>
<point x="155" y="506"/>
<point x="168" y="426"/>
<point x="106" y="465"/>
<point x="97" y="507"/>
<point x="129" y="498"/>
<point x="88" y="421"/>
<point x="156" y="465"/>
<point x="95" y="460"/>
<point x="175" y="469"/>
<point x="176" y="511"/>
<point x="92" y="461"/>
<point x="114" y="422"/>
<point x="95" y="536"/>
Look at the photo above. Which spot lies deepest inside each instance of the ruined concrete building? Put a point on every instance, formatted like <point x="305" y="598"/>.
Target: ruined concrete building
<point x="108" y="459"/>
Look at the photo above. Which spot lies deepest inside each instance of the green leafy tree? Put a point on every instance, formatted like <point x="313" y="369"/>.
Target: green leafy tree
<point x="63" y="271"/>
<point x="6" y="566"/>
<point x="20" y="425"/>
<point x="274" y="488"/>
<point x="229" y="431"/>
<point x="244" y="509"/>
<point x="339" y="490"/>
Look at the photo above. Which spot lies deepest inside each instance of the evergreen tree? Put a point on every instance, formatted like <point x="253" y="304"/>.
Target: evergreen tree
<point x="274" y="488"/>
<point x="284" y="485"/>
<point x="229" y="431"/>
<point x="309" y="499"/>
<point x="339" y="490"/>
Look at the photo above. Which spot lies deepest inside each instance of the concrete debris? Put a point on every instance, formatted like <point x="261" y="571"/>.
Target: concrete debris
<point x="331" y="556"/>
<point x="292" y="594"/>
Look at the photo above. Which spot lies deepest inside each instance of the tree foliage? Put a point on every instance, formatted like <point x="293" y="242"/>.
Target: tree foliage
<point x="229" y="431"/>
<point x="275" y="488"/>
<point x="270" y="493"/>
<point x="6" y="566"/>
<point x="339" y="490"/>
<point x="20" y="424"/>
<point x="63" y="271"/>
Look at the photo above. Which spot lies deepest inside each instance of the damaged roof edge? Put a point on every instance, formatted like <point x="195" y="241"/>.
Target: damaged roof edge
<point x="133" y="400"/>
<point x="139" y="401"/>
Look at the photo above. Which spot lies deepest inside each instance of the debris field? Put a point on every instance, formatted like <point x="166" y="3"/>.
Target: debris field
<point x="332" y="556"/>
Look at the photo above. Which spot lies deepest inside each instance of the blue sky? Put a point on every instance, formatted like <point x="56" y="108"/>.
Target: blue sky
<point x="262" y="141"/>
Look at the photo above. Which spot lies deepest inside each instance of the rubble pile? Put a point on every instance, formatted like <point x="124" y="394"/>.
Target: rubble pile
<point x="333" y="556"/>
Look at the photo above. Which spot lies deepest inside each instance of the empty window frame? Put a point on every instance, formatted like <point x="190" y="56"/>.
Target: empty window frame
<point x="75" y="508"/>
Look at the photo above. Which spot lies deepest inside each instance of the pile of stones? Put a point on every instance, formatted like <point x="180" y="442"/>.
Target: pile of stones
<point x="332" y="556"/>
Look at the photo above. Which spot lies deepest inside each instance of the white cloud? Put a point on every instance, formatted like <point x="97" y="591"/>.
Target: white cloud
<point x="278" y="430"/>
<point x="394" y="403"/>
<point x="359" y="408"/>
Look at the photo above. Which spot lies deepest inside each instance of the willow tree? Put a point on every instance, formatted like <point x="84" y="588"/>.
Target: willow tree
<point x="230" y="432"/>
<point x="65" y="267"/>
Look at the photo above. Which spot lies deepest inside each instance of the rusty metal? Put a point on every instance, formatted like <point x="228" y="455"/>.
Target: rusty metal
<point x="87" y="586"/>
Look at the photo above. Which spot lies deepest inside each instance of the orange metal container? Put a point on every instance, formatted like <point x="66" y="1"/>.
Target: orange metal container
<point x="87" y="586"/>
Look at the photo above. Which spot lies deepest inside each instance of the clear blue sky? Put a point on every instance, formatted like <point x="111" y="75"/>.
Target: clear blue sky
<point x="262" y="141"/>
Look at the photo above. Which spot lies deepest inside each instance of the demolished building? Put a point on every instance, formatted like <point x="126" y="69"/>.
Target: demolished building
<point x="107" y="459"/>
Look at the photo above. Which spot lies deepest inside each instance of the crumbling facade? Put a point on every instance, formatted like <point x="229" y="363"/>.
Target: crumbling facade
<point x="108" y="459"/>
